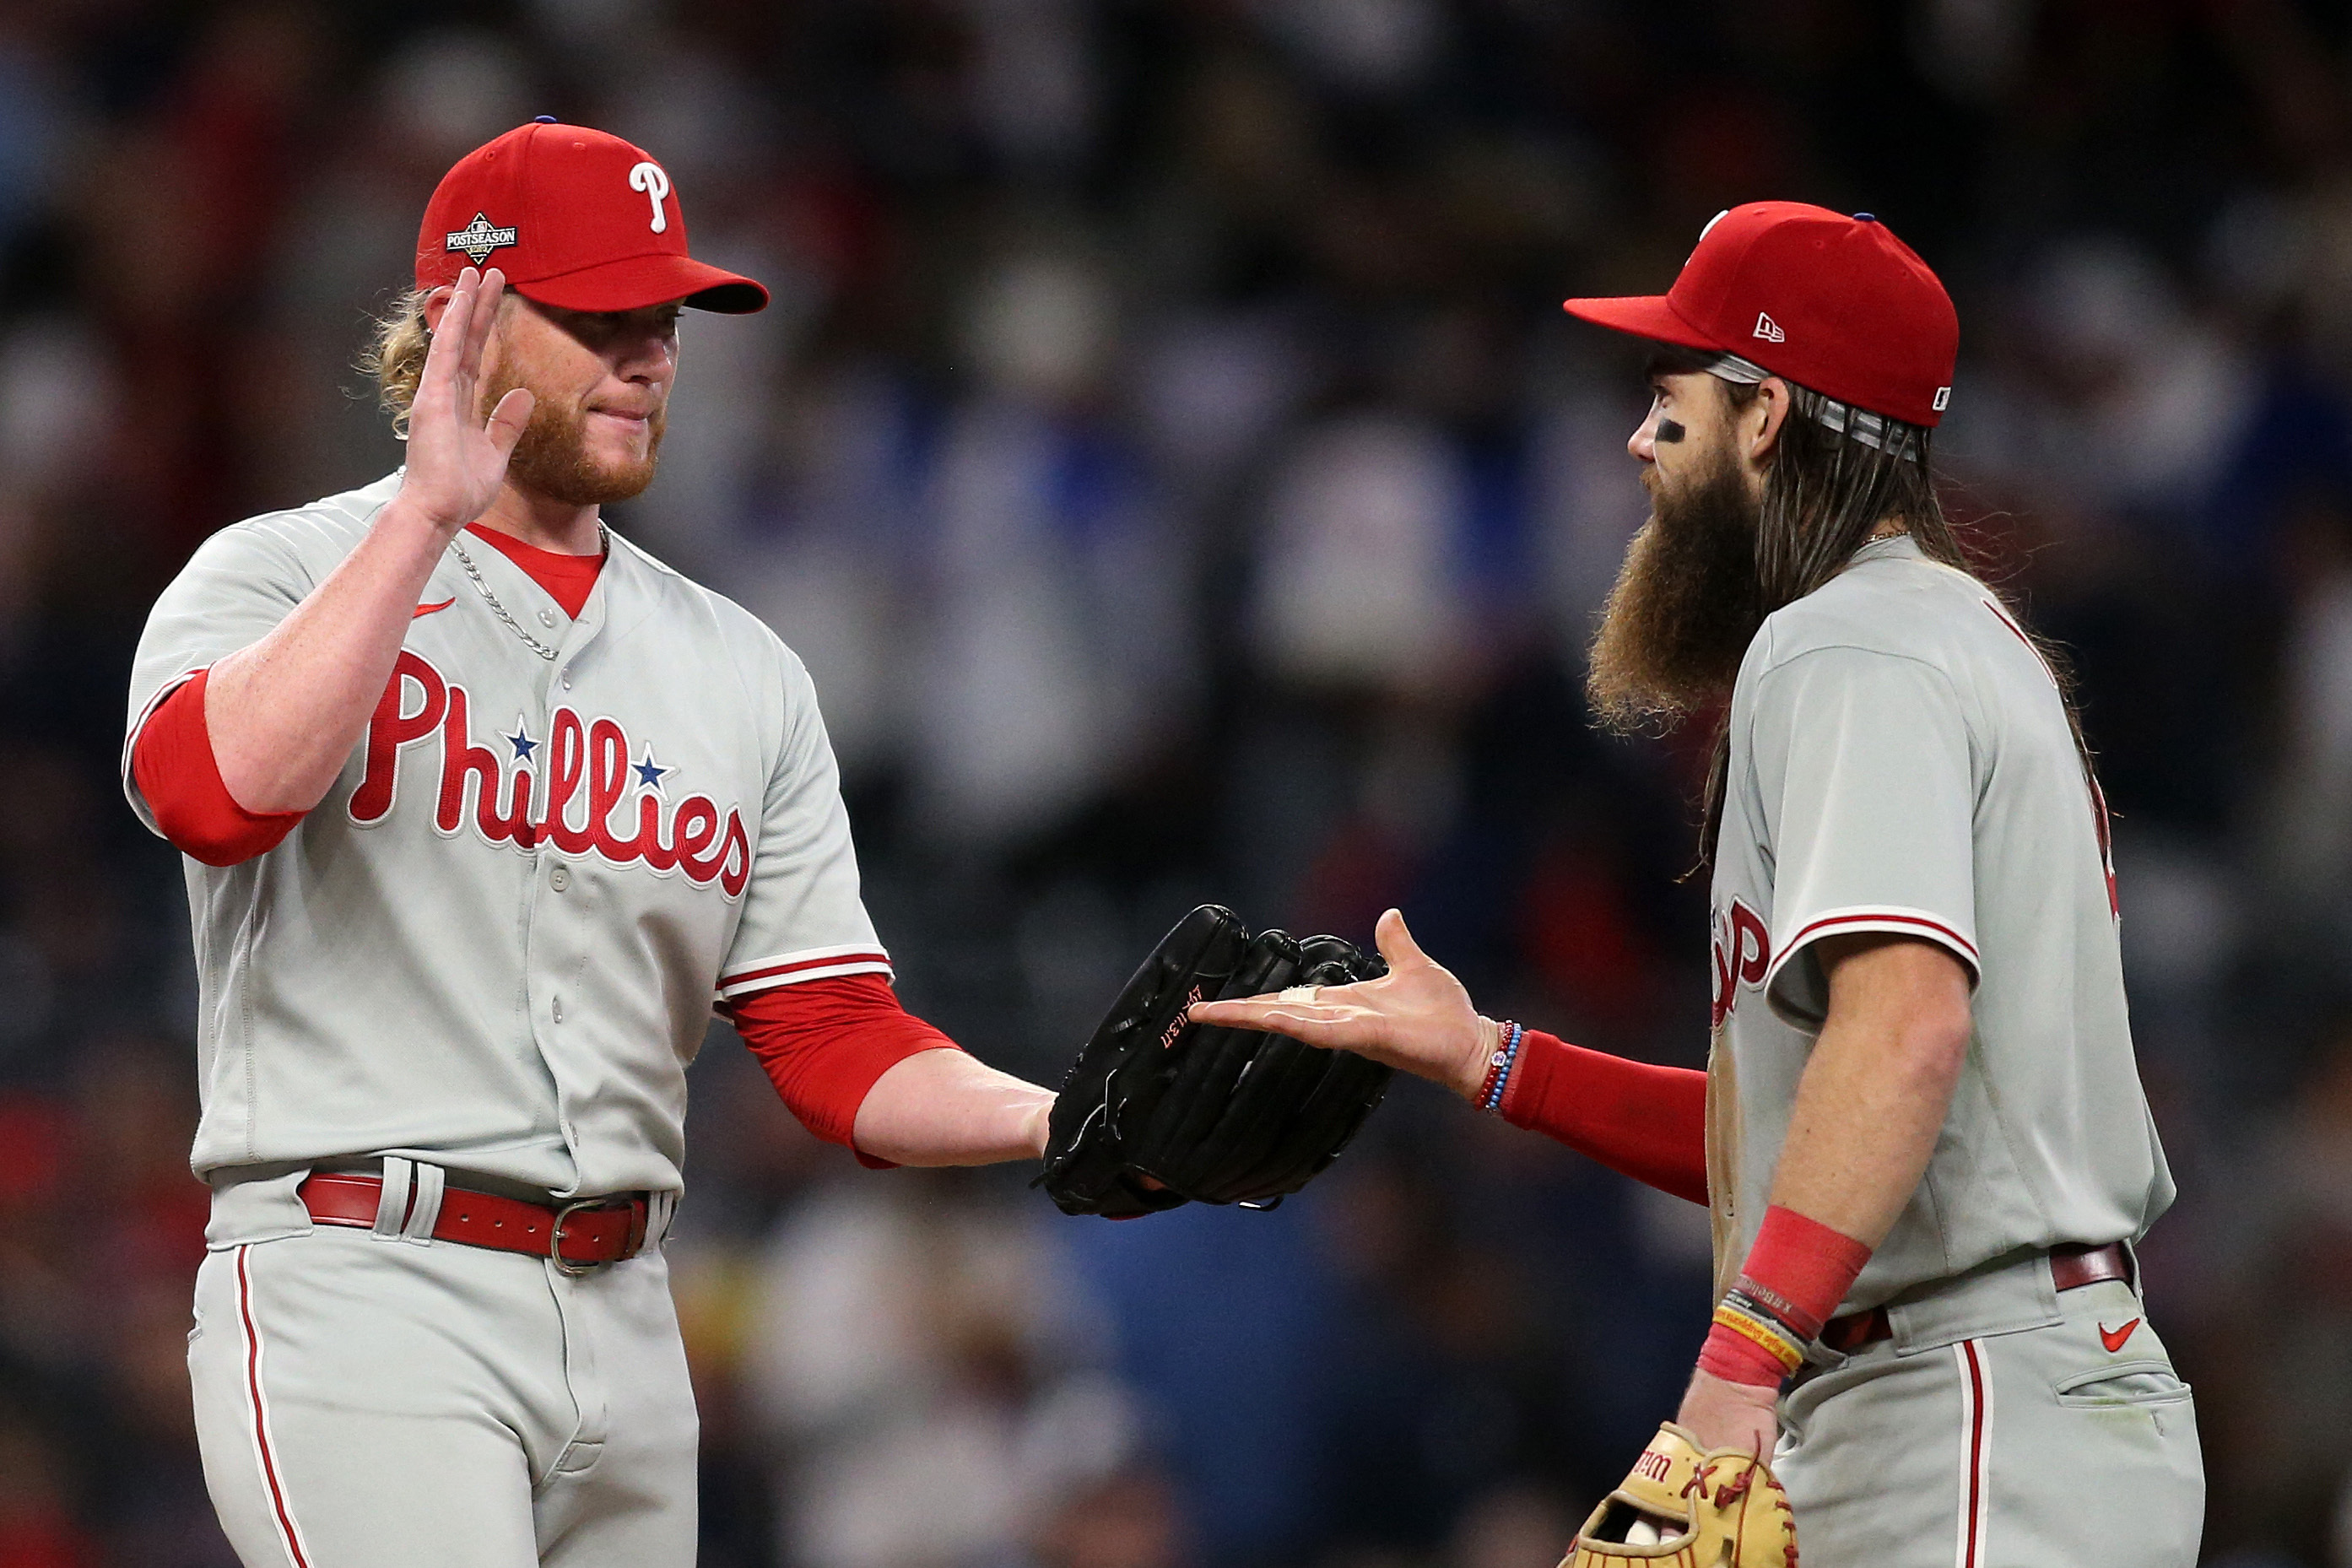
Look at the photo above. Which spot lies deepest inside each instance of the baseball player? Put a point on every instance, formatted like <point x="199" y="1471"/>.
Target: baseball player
<point x="1921" y="1129"/>
<point x="485" y="809"/>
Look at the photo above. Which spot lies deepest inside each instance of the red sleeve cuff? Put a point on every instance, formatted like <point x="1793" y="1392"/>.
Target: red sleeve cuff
<point x="172" y="763"/>
<point x="1645" y="1121"/>
<point x="825" y="1043"/>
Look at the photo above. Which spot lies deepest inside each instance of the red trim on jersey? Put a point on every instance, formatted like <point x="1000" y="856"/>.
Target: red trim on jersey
<point x="2098" y="795"/>
<point x="1645" y="1121"/>
<point x="292" y="1537"/>
<point x="2107" y="842"/>
<point x="1879" y="918"/>
<point x="825" y="1044"/>
<point x="179" y="778"/>
<point x="2019" y="632"/>
<point x="567" y="578"/>
<point x="775" y="973"/>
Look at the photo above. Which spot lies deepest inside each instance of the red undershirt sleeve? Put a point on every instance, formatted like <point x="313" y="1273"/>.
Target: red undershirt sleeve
<point x="1645" y="1121"/>
<point x="179" y="777"/>
<point x="825" y="1044"/>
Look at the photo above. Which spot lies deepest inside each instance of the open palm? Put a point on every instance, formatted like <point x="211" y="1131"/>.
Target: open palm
<point x="1417" y="1017"/>
<point x="456" y="459"/>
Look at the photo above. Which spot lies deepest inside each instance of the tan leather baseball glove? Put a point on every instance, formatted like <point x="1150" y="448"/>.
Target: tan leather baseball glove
<point x="1683" y="1508"/>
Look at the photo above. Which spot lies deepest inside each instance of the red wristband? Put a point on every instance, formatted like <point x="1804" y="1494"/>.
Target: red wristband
<point x="1801" y="1270"/>
<point x="1797" y="1273"/>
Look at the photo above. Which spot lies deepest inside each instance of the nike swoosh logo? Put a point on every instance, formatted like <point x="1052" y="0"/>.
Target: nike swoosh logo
<point x="2113" y="1338"/>
<point x="424" y="610"/>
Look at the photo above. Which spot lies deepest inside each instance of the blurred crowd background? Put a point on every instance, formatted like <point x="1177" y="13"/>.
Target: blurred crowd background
<point x="1167" y="452"/>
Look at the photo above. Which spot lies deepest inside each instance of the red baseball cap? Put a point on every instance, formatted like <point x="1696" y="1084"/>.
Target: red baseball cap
<point x="575" y="218"/>
<point x="1836" y="304"/>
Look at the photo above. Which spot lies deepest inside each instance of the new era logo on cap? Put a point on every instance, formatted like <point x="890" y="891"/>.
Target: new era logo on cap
<point x="1854" y="313"/>
<point x="479" y="237"/>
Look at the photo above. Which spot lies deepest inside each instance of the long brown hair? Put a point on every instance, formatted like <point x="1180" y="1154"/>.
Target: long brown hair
<point x="1825" y="492"/>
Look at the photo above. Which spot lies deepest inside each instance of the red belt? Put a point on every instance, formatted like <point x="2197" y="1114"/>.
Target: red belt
<point x="577" y="1236"/>
<point x="2070" y="1268"/>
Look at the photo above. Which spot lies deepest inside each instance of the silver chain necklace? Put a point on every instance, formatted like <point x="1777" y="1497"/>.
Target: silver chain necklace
<point x="605" y="541"/>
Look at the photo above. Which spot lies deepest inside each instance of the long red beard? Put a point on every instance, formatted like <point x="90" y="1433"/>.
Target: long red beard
<point x="1684" y="607"/>
<point x="553" y="459"/>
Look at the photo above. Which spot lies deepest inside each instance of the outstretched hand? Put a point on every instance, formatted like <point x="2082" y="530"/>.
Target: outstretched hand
<point x="1416" y="1018"/>
<point x="456" y="460"/>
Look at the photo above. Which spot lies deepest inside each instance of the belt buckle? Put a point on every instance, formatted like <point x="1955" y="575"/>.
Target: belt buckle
<point x="563" y="1265"/>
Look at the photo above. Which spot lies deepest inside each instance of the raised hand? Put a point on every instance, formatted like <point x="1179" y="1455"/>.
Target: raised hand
<point x="456" y="460"/>
<point x="1417" y="1018"/>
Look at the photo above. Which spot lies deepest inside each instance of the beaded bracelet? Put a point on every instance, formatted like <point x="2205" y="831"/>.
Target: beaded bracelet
<point x="1499" y="1068"/>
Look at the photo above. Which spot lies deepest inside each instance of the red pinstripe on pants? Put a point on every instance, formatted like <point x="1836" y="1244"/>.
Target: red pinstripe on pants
<point x="288" y="1533"/>
<point x="1974" y="1363"/>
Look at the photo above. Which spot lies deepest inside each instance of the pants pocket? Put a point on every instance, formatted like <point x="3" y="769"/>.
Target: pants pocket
<point x="2128" y="1382"/>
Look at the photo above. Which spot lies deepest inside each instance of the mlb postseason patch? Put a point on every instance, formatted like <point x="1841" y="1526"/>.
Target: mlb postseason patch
<point x="479" y="238"/>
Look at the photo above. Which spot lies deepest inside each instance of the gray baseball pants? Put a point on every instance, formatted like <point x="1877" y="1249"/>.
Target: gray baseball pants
<point x="370" y="1401"/>
<point x="1998" y="1429"/>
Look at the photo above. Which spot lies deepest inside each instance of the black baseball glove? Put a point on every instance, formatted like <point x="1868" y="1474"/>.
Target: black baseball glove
<point x="1220" y="1115"/>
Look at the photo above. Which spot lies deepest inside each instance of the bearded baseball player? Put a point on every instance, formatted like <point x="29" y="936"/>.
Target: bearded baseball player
<point x="485" y="809"/>
<point x="1921" y="1130"/>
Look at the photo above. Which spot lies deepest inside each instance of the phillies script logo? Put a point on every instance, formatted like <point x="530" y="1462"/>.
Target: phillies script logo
<point x="1743" y="952"/>
<point x="588" y="778"/>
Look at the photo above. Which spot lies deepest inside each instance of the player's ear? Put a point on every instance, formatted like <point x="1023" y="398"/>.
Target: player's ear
<point x="1759" y="423"/>
<point x="435" y="303"/>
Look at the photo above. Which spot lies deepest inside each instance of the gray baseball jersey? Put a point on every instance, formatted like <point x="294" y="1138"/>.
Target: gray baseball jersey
<point x="1901" y="761"/>
<point x="495" y="943"/>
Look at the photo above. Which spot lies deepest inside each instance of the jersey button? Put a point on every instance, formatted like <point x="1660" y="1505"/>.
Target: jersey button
<point x="546" y="618"/>
<point x="560" y="879"/>
<point x="556" y="1008"/>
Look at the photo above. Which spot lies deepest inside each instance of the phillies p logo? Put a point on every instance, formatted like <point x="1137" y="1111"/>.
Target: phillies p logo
<point x="649" y="178"/>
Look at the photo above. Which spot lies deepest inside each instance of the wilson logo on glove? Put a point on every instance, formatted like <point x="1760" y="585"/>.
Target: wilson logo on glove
<point x="1683" y="1508"/>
